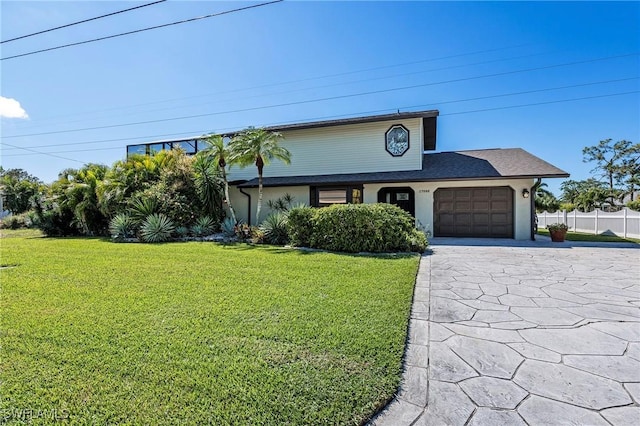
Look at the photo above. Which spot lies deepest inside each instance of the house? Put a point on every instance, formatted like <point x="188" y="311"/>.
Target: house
<point x="392" y="158"/>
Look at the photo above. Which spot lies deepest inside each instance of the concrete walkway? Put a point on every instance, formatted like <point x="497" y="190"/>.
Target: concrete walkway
<point x="514" y="333"/>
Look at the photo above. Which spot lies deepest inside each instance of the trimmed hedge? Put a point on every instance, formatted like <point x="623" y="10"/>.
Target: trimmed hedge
<point x="353" y="228"/>
<point x="299" y="225"/>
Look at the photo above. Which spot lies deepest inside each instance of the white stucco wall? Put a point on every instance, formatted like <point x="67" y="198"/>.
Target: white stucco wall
<point x="353" y="148"/>
<point x="423" y="199"/>
<point x="240" y="201"/>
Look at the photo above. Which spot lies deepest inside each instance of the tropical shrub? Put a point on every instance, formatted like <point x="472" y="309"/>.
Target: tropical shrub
<point x="299" y="225"/>
<point x="275" y="229"/>
<point x="634" y="205"/>
<point x="15" y="221"/>
<point x="228" y="227"/>
<point x="207" y="224"/>
<point x="142" y="207"/>
<point x="181" y="231"/>
<point x="567" y="207"/>
<point x="55" y="219"/>
<point x="282" y="204"/>
<point x="198" y="230"/>
<point x="373" y="228"/>
<point x="156" y="228"/>
<point x="122" y="226"/>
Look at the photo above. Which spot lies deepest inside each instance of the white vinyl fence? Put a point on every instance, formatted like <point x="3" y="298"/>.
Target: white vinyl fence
<point x="625" y="223"/>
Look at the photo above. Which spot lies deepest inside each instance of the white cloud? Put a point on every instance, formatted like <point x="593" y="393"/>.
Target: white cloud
<point x="10" y="108"/>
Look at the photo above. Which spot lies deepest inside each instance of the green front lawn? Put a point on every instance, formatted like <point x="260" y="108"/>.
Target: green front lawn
<point x="198" y="333"/>
<point x="579" y="236"/>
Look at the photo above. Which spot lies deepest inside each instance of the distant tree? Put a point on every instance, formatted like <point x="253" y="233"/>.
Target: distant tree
<point x="616" y="163"/>
<point x="545" y="200"/>
<point x="259" y="147"/>
<point x="586" y="195"/>
<point x="217" y="152"/>
<point x="19" y="189"/>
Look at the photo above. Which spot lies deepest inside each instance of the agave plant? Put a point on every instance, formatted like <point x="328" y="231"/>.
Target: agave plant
<point x="198" y="230"/>
<point x="182" y="231"/>
<point x="142" y="208"/>
<point x="122" y="226"/>
<point x="275" y="229"/>
<point x="156" y="228"/>
<point x="207" y="224"/>
<point x="228" y="227"/>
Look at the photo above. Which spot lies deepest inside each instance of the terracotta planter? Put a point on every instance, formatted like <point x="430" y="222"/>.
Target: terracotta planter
<point x="557" y="236"/>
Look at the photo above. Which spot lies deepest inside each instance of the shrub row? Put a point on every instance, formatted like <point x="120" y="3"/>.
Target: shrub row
<point x="353" y="228"/>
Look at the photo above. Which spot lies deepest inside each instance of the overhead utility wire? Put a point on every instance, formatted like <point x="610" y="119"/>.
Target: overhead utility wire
<point x="121" y="107"/>
<point x="297" y="90"/>
<point x="142" y="30"/>
<point x="45" y="153"/>
<point x="445" y="114"/>
<point x="548" y="89"/>
<point x="83" y="21"/>
<point x="323" y="99"/>
<point x="542" y="103"/>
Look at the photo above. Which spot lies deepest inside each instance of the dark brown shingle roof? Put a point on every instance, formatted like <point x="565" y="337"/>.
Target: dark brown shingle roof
<point x="484" y="164"/>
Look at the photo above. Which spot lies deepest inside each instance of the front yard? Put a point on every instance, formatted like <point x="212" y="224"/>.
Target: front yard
<point x="198" y="333"/>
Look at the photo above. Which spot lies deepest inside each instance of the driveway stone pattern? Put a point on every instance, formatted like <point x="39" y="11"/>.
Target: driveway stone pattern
<point x="535" y="333"/>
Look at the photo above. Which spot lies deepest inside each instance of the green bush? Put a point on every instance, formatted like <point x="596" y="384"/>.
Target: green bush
<point x="56" y="220"/>
<point x="206" y="225"/>
<point x="228" y="227"/>
<point x="182" y="231"/>
<point x="16" y="221"/>
<point x="375" y="228"/>
<point x="299" y="226"/>
<point x="634" y="205"/>
<point x="156" y="228"/>
<point x="122" y="226"/>
<point x="275" y="229"/>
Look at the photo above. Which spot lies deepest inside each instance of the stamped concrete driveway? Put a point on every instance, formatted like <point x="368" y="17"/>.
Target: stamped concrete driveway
<point x="509" y="333"/>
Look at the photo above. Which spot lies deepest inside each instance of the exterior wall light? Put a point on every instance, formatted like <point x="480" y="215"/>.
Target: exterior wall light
<point x="525" y="193"/>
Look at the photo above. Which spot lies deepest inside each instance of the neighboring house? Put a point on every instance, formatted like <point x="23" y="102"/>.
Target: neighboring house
<point x="391" y="158"/>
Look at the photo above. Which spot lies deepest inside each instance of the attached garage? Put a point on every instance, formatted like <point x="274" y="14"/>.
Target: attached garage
<point x="474" y="212"/>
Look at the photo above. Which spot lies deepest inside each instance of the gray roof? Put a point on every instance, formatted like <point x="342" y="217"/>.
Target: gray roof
<point x="511" y="163"/>
<point x="355" y="120"/>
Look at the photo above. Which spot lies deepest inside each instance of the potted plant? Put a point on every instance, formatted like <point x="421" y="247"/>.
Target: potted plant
<point x="557" y="231"/>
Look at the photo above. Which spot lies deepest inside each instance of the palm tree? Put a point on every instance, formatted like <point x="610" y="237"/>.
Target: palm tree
<point x="218" y="153"/>
<point x="259" y="147"/>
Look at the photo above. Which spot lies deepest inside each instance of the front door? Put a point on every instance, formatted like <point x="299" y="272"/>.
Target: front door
<point x="403" y="197"/>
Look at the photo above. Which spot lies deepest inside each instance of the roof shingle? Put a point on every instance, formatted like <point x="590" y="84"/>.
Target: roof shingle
<point x="444" y="166"/>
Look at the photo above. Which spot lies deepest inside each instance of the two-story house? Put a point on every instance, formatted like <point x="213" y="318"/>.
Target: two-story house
<point x="392" y="158"/>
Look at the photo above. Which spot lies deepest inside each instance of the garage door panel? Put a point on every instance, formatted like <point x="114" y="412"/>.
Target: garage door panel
<point x="481" y="205"/>
<point x="473" y="212"/>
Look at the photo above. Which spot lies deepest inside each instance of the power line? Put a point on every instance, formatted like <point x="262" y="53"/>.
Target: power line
<point x="141" y="30"/>
<point x="368" y="112"/>
<point x="445" y="114"/>
<point x="543" y="103"/>
<point x="547" y="89"/>
<point x="44" y="153"/>
<point x="323" y="99"/>
<point x="302" y="89"/>
<point x="82" y="22"/>
<point x="326" y="76"/>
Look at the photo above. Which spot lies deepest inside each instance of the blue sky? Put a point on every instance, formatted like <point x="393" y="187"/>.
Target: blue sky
<point x="240" y="68"/>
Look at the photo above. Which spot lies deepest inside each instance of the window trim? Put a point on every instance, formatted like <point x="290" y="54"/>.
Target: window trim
<point x="314" y="193"/>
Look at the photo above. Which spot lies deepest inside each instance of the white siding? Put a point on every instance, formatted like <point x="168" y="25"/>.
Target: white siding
<point x="354" y="148"/>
